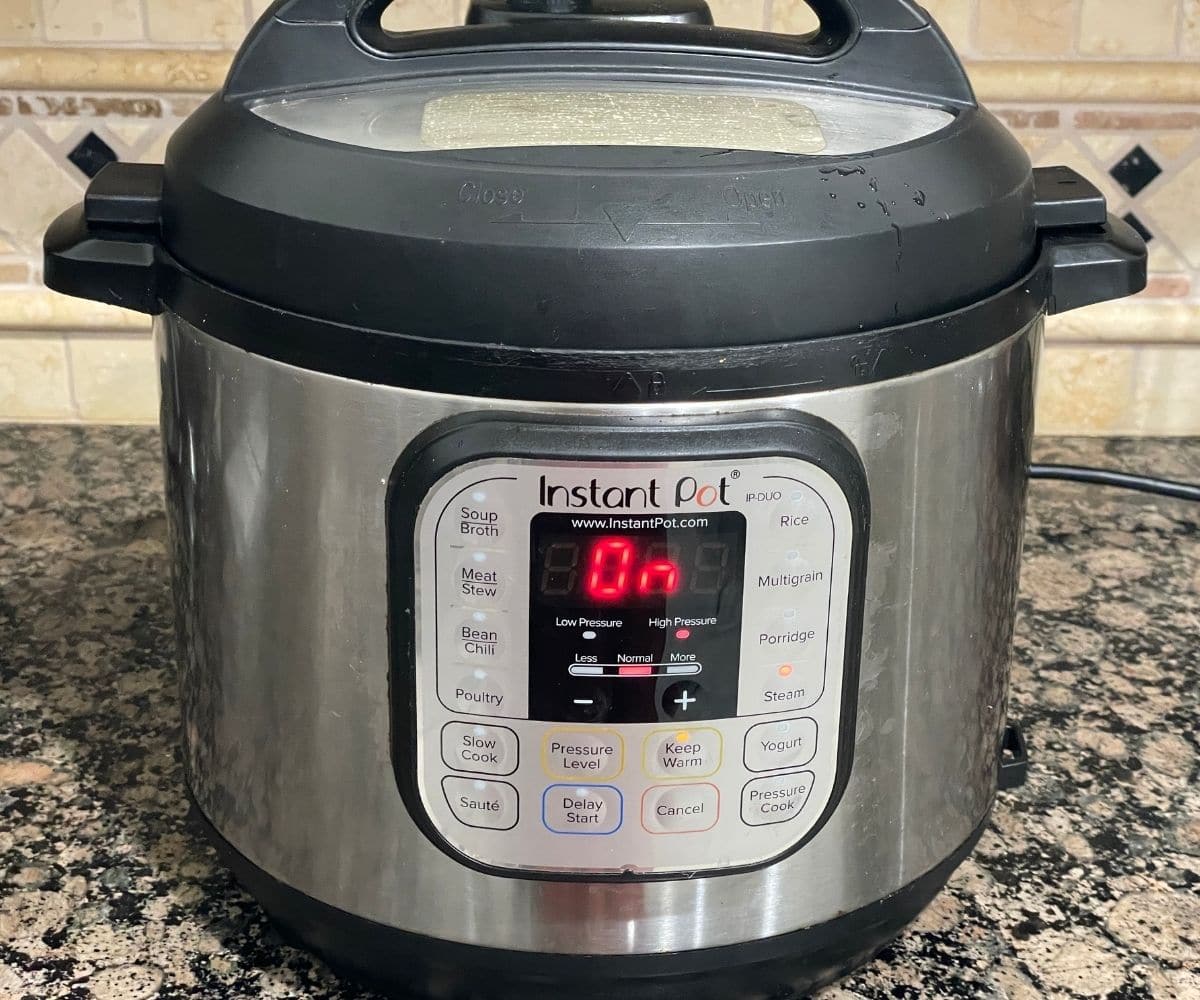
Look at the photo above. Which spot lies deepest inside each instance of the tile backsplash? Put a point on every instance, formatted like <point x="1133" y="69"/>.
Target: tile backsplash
<point x="1108" y="87"/>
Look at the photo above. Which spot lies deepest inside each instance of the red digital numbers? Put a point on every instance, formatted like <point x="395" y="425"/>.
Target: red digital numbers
<point x="611" y="573"/>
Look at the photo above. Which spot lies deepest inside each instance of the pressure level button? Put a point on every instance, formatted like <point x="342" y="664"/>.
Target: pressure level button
<point x="588" y="754"/>
<point x="486" y="805"/>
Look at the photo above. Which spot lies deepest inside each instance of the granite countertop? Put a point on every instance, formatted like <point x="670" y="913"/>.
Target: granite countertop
<point x="1087" y="883"/>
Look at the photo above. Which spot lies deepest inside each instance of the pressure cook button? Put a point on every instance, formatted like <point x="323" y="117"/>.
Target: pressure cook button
<point x="487" y="805"/>
<point x="582" y="809"/>
<point x="478" y="692"/>
<point x="772" y="746"/>
<point x="586" y="754"/>
<point x="479" y="578"/>
<point x="682" y="753"/>
<point x="680" y="808"/>
<point x="478" y="748"/>
<point x="776" y="799"/>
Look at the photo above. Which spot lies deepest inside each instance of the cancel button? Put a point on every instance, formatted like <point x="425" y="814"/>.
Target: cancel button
<point x="776" y="799"/>
<point x="680" y="808"/>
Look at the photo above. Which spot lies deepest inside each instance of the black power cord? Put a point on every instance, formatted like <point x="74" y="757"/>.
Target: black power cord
<point x="1122" y="480"/>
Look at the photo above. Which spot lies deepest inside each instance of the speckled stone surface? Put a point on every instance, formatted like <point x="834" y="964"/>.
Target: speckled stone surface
<point x="1087" y="883"/>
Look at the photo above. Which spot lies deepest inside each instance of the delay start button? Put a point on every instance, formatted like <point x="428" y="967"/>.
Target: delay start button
<point x="479" y="749"/>
<point x="777" y="799"/>
<point x="680" y="808"/>
<point x="486" y="805"/>
<point x="582" y="809"/>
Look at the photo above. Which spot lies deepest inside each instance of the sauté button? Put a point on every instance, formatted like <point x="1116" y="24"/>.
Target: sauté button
<point x="683" y="752"/>
<point x="681" y="808"/>
<point x="488" y="805"/>
<point x="772" y="746"/>
<point x="583" y="754"/>
<point x="479" y="749"/>
<point x="776" y="799"/>
<point x="582" y="809"/>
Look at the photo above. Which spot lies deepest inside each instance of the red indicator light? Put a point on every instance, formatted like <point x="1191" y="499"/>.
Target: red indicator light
<point x="638" y="671"/>
<point x="683" y="633"/>
<point x="658" y="577"/>
<point x="608" y="569"/>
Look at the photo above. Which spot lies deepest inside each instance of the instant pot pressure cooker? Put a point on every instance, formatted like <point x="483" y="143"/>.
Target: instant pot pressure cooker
<point x="596" y="448"/>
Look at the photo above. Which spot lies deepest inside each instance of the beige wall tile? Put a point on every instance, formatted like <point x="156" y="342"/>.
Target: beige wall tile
<point x="1176" y="205"/>
<point x="954" y="17"/>
<point x="415" y="15"/>
<point x="1191" y="27"/>
<point x="1085" y="390"/>
<point x="14" y="273"/>
<point x="33" y="378"/>
<point x="36" y="188"/>
<point x="1165" y="397"/>
<point x="1128" y="321"/>
<point x="197" y="21"/>
<point x="740" y="13"/>
<point x="793" y="17"/>
<point x="1119" y="28"/>
<point x="36" y="308"/>
<point x="1026" y="27"/>
<point x="18" y="20"/>
<point x="115" y="378"/>
<point x="92" y="21"/>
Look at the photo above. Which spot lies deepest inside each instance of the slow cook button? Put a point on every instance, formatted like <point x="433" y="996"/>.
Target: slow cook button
<point x="479" y="578"/>
<point x="771" y="746"/>
<point x="692" y="752"/>
<point x="680" y="808"/>
<point x="487" y="805"/>
<point x="583" y="754"/>
<point x="477" y="692"/>
<point x="582" y="809"/>
<point x="479" y="749"/>
<point x="777" y="799"/>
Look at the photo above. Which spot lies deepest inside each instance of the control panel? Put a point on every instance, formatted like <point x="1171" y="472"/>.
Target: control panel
<point x="629" y="667"/>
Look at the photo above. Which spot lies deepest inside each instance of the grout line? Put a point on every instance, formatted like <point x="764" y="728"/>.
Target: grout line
<point x="72" y="396"/>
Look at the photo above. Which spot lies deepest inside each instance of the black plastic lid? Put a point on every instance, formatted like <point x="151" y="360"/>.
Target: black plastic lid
<point x="586" y="176"/>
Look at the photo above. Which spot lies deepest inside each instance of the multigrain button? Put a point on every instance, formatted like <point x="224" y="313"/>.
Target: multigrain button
<point x="680" y="808"/>
<point x="772" y="746"/>
<point x="488" y="805"/>
<point x="776" y="799"/>
<point x="478" y="692"/>
<point x="582" y="809"/>
<point x="479" y="578"/>
<point x="691" y="752"/>
<point x="583" y="754"/>
<point x="479" y="749"/>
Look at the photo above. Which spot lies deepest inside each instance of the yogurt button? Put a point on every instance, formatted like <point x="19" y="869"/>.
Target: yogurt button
<point x="478" y="748"/>
<point x="778" y="799"/>
<point x="488" y="805"/>
<point x="582" y="809"/>
<point x="680" y="808"/>
<point x="772" y="746"/>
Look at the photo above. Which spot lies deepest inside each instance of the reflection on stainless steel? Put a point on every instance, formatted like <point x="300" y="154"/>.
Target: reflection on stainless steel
<point x="276" y="480"/>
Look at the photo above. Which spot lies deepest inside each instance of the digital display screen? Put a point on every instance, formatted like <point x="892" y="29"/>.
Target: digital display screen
<point x="635" y="618"/>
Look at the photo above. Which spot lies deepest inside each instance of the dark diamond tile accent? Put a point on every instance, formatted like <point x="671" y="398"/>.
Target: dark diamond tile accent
<point x="92" y="154"/>
<point x="1136" y="170"/>
<point x="1140" y="226"/>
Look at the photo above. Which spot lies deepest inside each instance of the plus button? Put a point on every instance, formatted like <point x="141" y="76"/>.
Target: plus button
<point x="680" y="698"/>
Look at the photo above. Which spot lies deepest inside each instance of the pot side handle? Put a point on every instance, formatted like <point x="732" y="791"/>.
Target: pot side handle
<point x="1090" y="255"/>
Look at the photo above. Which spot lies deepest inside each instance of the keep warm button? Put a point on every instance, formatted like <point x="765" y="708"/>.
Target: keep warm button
<point x="777" y="799"/>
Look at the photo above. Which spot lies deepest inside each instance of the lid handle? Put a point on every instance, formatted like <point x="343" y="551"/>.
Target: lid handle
<point x="891" y="47"/>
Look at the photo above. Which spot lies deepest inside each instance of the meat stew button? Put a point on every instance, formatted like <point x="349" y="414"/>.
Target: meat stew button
<point x="680" y="808"/>
<point x="776" y="799"/>
<point x="486" y="805"/>
<point x="771" y="746"/>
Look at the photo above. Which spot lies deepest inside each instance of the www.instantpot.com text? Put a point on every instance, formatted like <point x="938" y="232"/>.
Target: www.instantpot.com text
<point x="638" y="523"/>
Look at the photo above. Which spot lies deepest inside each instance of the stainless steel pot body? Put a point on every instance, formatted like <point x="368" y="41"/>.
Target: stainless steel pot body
<point x="276" y="486"/>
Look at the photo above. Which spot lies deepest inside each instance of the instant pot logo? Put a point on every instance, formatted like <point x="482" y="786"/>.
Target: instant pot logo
<point x="687" y="491"/>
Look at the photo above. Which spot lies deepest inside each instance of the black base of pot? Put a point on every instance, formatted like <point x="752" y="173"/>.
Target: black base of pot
<point x="401" y="964"/>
